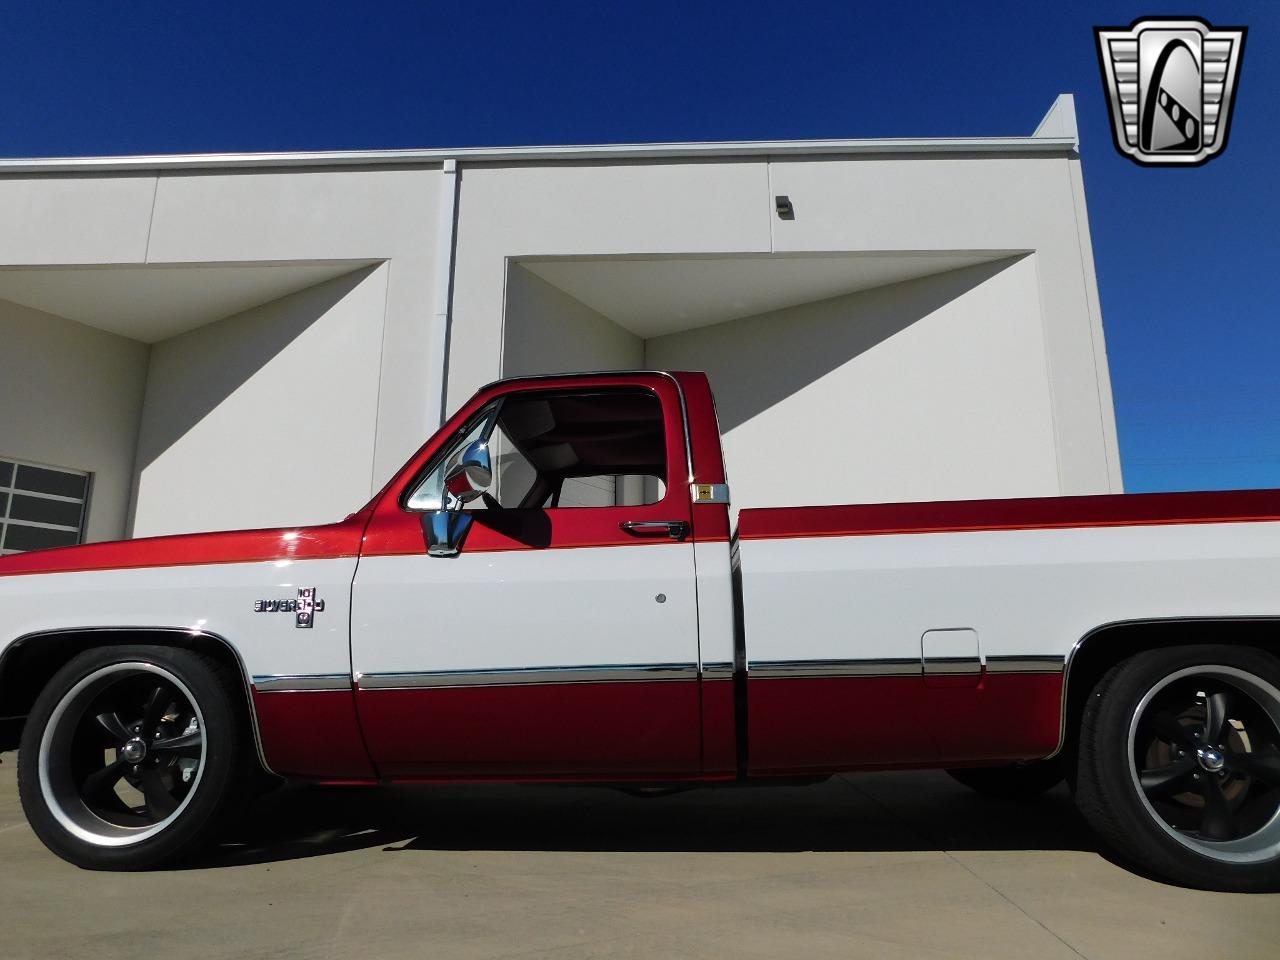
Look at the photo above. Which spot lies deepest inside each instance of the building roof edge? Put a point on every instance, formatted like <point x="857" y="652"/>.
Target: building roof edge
<point x="958" y="146"/>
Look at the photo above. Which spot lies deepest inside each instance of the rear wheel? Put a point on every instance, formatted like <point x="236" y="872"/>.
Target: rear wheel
<point x="1020" y="782"/>
<point x="1179" y="765"/>
<point x="131" y="757"/>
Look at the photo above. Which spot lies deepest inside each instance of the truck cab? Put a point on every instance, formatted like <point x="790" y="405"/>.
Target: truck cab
<point x="573" y="618"/>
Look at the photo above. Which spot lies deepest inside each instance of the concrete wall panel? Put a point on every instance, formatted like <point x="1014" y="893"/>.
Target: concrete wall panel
<point x="266" y="418"/>
<point x="588" y="208"/>
<point x="548" y="331"/>
<point x="981" y="203"/>
<point x="71" y="396"/>
<point x="932" y="389"/>
<point x="295" y="215"/>
<point x="69" y="220"/>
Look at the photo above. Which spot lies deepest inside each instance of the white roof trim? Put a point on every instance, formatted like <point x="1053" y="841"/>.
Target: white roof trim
<point x="623" y="151"/>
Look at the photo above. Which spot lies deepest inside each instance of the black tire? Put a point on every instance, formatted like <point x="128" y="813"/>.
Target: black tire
<point x="1019" y="783"/>
<point x="1179" y="765"/>
<point x="76" y="761"/>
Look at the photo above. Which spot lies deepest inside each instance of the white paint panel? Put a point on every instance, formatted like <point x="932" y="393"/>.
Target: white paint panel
<point x="949" y="643"/>
<point x="216" y="598"/>
<point x="715" y="603"/>
<point x="525" y="608"/>
<point x="1025" y="592"/>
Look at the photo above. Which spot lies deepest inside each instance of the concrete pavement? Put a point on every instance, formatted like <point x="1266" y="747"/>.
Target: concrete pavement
<point x="876" y="865"/>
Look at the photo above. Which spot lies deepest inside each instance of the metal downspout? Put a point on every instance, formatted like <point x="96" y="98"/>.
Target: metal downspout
<point x="438" y="344"/>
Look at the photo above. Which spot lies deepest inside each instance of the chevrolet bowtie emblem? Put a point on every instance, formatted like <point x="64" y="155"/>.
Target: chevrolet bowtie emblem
<point x="304" y="608"/>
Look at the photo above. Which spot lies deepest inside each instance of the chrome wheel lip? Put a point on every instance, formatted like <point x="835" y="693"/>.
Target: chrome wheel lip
<point x="107" y="834"/>
<point x="1261" y="846"/>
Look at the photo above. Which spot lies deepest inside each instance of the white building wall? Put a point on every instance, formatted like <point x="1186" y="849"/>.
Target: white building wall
<point x="932" y="389"/>
<point x="959" y="203"/>
<point x="71" y="396"/>
<point x="844" y="205"/>
<point x="511" y="211"/>
<point x="965" y="405"/>
<point x="89" y="219"/>
<point x="266" y="418"/>
<point x="548" y="331"/>
<point x="313" y="215"/>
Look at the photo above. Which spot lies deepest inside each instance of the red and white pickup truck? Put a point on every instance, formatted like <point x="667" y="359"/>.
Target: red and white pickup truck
<point x="551" y="590"/>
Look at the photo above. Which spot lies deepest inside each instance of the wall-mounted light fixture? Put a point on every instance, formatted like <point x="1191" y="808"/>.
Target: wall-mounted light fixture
<point x="783" y="205"/>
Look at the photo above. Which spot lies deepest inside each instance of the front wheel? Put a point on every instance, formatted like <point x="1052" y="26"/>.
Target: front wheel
<point x="1179" y="765"/>
<point x="131" y="757"/>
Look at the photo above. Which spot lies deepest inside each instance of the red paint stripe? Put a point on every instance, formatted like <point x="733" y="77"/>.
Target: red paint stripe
<point x="1118" y="510"/>
<point x="230" y="546"/>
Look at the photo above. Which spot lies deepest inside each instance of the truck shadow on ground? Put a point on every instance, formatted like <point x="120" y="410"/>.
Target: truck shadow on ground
<point x="859" y="813"/>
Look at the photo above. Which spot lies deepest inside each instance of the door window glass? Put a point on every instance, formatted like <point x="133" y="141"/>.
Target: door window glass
<point x="599" y="448"/>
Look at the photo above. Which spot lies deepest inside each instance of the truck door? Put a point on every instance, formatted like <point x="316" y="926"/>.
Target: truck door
<point x="561" y="639"/>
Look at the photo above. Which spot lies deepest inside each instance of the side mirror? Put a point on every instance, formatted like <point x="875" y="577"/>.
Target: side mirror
<point x="468" y="478"/>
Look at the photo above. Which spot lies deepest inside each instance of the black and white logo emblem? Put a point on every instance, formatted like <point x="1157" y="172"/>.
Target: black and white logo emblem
<point x="1170" y="85"/>
<point x="304" y="608"/>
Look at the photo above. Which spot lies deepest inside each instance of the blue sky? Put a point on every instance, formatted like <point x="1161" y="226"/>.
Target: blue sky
<point x="1187" y="259"/>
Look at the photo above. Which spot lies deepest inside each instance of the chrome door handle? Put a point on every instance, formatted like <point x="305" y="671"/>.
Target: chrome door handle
<point x="675" y="529"/>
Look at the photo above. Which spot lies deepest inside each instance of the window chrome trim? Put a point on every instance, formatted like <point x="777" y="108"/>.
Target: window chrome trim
<point x="523" y="676"/>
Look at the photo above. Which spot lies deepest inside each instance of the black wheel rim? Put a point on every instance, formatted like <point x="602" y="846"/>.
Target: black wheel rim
<point x="1204" y="751"/>
<point x="122" y="754"/>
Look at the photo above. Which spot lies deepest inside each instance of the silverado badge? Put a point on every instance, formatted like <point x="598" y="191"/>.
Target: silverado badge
<point x="304" y="608"/>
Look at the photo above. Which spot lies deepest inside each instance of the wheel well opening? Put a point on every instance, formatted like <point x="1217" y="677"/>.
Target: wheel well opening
<point x="28" y="665"/>
<point x="1102" y="649"/>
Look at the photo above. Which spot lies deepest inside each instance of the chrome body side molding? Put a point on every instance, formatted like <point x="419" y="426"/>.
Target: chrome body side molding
<point x="520" y="676"/>
<point x="1052" y="663"/>
<point x="884" y="667"/>
<point x="293" y="683"/>
<point x="717" y="670"/>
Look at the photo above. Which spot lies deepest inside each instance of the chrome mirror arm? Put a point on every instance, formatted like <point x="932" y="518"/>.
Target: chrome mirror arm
<point x="445" y="531"/>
